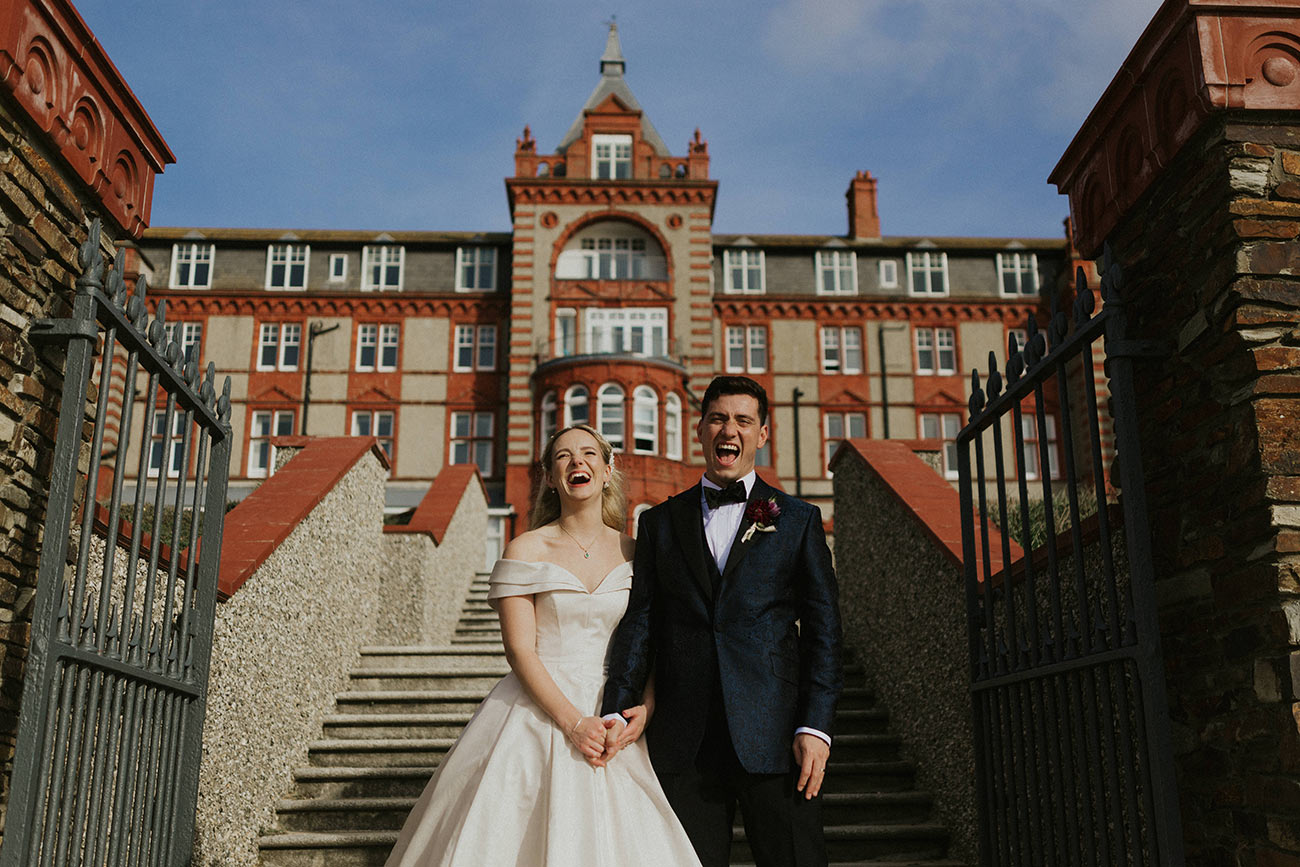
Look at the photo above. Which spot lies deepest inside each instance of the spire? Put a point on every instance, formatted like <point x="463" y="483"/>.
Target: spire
<point x="611" y="62"/>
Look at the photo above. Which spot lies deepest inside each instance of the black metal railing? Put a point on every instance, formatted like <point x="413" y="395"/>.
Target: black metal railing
<point x="109" y="738"/>
<point x="1072" y="737"/>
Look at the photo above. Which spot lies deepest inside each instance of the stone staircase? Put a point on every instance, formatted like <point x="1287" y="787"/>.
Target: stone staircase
<point x="406" y="705"/>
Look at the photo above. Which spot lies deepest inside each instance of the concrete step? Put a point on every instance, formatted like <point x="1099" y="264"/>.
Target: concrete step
<point x="394" y="725"/>
<point x="410" y="701"/>
<point x="378" y="752"/>
<point x="346" y="782"/>
<point x="485" y="640"/>
<point x="388" y="812"/>
<point x="444" y="658"/>
<point x="482" y="677"/>
<point x="916" y="841"/>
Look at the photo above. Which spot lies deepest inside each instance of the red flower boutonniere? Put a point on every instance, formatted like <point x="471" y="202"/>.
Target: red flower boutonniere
<point x="761" y="515"/>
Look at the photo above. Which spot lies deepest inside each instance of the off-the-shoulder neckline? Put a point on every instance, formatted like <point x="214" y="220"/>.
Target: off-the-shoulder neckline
<point x="590" y="591"/>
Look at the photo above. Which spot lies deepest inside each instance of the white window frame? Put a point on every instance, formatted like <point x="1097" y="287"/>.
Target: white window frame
<point x="941" y="345"/>
<point x="276" y="418"/>
<point x="1022" y="337"/>
<point x="549" y="419"/>
<point x="471" y="260"/>
<point x="836" y="264"/>
<point x="367" y="338"/>
<point x="577" y="395"/>
<point x="614" y="331"/>
<point x="1030" y="440"/>
<point x="645" y="420"/>
<point x="621" y="255"/>
<point x="170" y="446"/>
<point x="479" y="343"/>
<point x="382" y="256"/>
<point x="835" y="349"/>
<point x="187" y="335"/>
<point x="277" y="334"/>
<point x="672" y="426"/>
<point x="611" y="414"/>
<point x="927" y="263"/>
<point x="611" y="152"/>
<point x="831" y="440"/>
<point x="473" y="441"/>
<point x="192" y="255"/>
<point x="365" y="423"/>
<point x="748" y="341"/>
<point x="1022" y="268"/>
<point x="566" y="332"/>
<point x="744" y="263"/>
<point x="287" y="256"/>
<point x="335" y="276"/>
<point x="888" y="271"/>
<point x="390" y="336"/>
<point x="943" y="426"/>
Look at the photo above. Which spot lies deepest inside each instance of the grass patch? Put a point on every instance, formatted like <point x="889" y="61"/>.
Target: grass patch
<point x="1037" y="512"/>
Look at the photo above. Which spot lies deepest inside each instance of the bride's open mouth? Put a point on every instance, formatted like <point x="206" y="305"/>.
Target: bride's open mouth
<point x="578" y="479"/>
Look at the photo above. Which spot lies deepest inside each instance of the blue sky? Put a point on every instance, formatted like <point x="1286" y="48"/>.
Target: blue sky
<point x="404" y="114"/>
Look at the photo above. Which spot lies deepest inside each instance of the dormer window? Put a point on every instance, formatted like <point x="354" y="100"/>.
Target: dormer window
<point x="611" y="157"/>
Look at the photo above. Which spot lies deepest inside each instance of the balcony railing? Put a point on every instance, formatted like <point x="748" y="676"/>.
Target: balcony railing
<point x="546" y="351"/>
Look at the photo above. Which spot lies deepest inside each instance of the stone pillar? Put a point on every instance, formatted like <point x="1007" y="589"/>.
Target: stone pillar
<point x="1190" y="166"/>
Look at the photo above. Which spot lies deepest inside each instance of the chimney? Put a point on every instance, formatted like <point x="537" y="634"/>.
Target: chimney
<point x="864" y="219"/>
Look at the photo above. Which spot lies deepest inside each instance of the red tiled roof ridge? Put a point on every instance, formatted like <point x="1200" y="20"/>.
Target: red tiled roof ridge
<point x="266" y="517"/>
<point x="922" y="492"/>
<point x="434" y="514"/>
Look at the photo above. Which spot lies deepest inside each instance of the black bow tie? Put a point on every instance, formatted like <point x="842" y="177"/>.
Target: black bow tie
<point x="732" y="493"/>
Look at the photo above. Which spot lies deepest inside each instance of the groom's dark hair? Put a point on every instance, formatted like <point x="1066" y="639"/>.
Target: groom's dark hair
<point x="735" y="385"/>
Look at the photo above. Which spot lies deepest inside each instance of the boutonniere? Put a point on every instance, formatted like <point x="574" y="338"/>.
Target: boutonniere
<point x="761" y="515"/>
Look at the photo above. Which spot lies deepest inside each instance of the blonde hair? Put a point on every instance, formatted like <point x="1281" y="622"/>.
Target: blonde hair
<point x="546" y="502"/>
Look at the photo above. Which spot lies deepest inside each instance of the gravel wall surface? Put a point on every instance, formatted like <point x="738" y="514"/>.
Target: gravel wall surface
<point x="904" y="611"/>
<point x="283" y="646"/>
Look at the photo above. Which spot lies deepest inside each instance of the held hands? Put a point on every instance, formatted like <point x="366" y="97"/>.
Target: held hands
<point x="811" y="753"/>
<point x="588" y="736"/>
<point x="618" y="736"/>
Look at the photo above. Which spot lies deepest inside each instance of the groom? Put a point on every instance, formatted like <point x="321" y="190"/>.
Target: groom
<point x="734" y="611"/>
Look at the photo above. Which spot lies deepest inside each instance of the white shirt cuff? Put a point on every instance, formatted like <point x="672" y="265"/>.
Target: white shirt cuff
<point x="804" y="730"/>
<point x="623" y="720"/>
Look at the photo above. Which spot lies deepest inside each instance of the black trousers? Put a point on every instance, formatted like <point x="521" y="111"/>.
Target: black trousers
<point x="783" y="828"/>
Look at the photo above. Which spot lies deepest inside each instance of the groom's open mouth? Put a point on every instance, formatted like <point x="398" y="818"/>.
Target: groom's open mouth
<point x="727" y="453"/>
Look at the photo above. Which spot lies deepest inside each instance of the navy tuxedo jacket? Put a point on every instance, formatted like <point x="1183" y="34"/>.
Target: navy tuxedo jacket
<point x="766" y="632"/>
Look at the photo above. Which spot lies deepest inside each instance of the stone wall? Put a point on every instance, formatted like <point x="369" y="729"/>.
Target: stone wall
<point x="1213" y="270"/>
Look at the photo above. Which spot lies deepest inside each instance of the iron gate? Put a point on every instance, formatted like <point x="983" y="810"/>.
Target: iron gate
<point x="1071" y="724"/>
<point x="106" y="766"/>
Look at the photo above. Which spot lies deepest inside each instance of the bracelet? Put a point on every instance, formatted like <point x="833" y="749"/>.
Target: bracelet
<point x="575" y="725"/>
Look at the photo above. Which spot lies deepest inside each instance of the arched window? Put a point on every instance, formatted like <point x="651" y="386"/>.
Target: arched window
<point x="543" y="169"/>
<point x="612" y="250"/>
<point x="575" y="406"/>
<point x="550" y="411"/>
<point x="610" y="402"/>
<point x="673" y="426"/>
<point x="645" y="420"/>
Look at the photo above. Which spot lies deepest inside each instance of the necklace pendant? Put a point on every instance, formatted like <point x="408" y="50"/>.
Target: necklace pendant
<point x="586" y="556"/>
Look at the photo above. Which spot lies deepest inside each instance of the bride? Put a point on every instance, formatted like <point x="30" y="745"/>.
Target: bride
<point x="526" y="785"/>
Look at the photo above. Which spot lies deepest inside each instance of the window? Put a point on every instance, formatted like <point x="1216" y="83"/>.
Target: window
<point x="286" y="266"/>
<point x="338" y="267"/>
<point x="161" y="444"/>
<point x="837" y="272"/>
<point x="377" y="347"/>
<point x="566" y="331"/>
<point x="632" y="330"/>
<point x="1029" y="432"/>
<point x="192" y="266"/>
<point x="1018" y="273"/>
<point x="278" y="345"/>
<point x="266" y="424"/>
<point x="743" y="271"/>
<point x="927" y="273"/>
<point x="611" y="157"/>
<point x="841" y="350"/>
<point x="471" y="440"/>
<point x="476" y="268"/>
<point x="609" y="403"/>
<point x="366" y="423"/>
<point x="576" y="409"/>
<point x="612" y="251"/>
<point x="840" y="426"/>
<point x="382" y="267"/>
<point x="673" y="426"/>
<point x="888" y="274"/>
<point x="645" y="421"/>
<point x="944" y="426"/>
<point x="550" y="412"/>
<point x="936" y="350"/>
<point x="476" y="347"/>
<point x="190" y="337"/>
<point x="1021" y="336"/>
<point x="746" y="349"/>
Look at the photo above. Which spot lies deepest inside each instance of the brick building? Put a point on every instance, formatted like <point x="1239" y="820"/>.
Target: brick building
<point x="611" y="300"/>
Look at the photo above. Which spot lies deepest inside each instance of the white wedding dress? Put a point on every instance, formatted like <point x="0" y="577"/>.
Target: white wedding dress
<point x="513" y="792"/>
